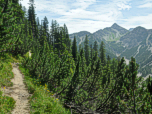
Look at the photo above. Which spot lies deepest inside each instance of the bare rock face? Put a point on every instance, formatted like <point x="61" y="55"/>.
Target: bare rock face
<point x="135" y="42"/>
<point x="135" y="36"/>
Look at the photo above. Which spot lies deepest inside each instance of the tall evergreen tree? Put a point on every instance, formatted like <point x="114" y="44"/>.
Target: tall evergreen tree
<point x="95" y="46"/>
<point x="74" y="49"/>
<point x="113" y="66"/>
<point x="32" y="19"/>
<point x="11" y="39"/>
<point x="68" y="40"/>
<point x="91" y="57"/>
<point x="80" y="48"/>
<point x="54" y="34"/>
<point x="38" y="26"/>
<point x="108" y="59"/>
<point x="45" y="25"/>
<point x="102" y="53"/>
<point x="86" y="50"/>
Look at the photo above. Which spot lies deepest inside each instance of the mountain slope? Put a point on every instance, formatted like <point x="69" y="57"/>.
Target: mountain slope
<point x="118" y="40"/>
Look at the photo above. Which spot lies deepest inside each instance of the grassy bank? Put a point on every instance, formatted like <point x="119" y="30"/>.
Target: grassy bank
<point x="41" y="102"/>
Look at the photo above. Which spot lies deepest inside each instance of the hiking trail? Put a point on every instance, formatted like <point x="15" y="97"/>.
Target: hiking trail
<point x="18" y="92"/>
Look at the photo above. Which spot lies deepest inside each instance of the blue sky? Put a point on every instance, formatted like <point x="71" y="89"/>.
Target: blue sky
<point x="93" y="15"/>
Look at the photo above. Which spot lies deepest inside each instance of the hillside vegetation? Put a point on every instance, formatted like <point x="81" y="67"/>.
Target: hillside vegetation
<point x="85" y="81"/>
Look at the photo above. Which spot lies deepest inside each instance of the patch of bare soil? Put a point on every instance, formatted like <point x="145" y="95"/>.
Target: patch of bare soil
<point x="18" y="92"/>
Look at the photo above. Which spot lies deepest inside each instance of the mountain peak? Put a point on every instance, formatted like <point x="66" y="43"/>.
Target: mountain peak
<point x="115" y="25"/>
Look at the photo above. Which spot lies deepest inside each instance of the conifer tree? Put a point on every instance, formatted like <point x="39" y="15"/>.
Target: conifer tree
<point x="12" y="35"/>
<point x="102" y="53"/>
<point x="84" y="80"/>
<point x="86" y="50"/>
<point x="91" y="52"/>
<point x="45" y="25"/>
<point x="108" y="59"/>
<point x="80" y="48"/>
<point x="69" y="44"/>
<point x="113" y="66"/>
<point x="119" y="74"/>
<point x="66" y="35"/>
<point x="32" y="19"/>
<point x="74" y="49"/>
<point x="22" y="48"/>
<point x="95" y="46"/>
<point x="52" y="30"/>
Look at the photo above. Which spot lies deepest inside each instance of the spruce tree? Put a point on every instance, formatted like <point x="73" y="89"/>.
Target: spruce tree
<point x="32" y="19"/>
<point x="74" y="49"/>
<point x="108" y="59"/>
<point x="11" y="35"/>
<point x="95" y="46"/>
<point x="102" y="53"/>
<point x="86" y="50"/>
<point x="91" y="52"/>
<point x="45" y="25"/>
<point x="80" y="48"/>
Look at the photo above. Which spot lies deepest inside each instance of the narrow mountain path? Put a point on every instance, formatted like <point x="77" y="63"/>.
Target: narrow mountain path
<point x="19" y="92"/>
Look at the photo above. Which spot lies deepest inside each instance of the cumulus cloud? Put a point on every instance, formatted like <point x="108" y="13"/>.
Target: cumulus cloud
<point x="123" y="6"/>
<point x="135" y="21"/>
<point x="88" y="15"/>
<point x="147" y="5"/>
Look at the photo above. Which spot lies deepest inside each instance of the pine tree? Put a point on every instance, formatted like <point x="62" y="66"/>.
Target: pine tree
<point x="52" y="33"/>
<point x="113" y="66"/>
<point x="12" y="36"/>
<point x="120" y="74"/>
<point x="74" y="49"/>
<point x="32" y="19"/>
<point x="45" y="25"/>
<point x="95" y="46"/>
<point x="86" y="50"/>
<point x="80" y="48"/>
<point x="108" y="59"/>
<point x="68" y="40"/>
<point x="102" y="53"/>
<point x="91" y="57"/>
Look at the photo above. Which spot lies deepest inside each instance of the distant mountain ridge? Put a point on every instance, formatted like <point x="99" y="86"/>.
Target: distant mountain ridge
<point x="131" y="29"/>
<point x="80" y="34"/>
<point x="127" y="43"/>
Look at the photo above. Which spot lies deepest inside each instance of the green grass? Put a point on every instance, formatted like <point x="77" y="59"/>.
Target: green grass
<point x="41" y="101"/>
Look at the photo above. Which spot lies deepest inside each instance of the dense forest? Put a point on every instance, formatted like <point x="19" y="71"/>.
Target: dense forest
<point x="84" y="81"/>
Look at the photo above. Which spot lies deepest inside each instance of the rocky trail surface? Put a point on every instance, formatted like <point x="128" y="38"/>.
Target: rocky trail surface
<point x="18" y="92"/>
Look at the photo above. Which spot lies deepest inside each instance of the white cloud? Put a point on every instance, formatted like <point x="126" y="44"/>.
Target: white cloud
<point x="147" y="5"/>
<point x="133" y="22"/>
<point x="123" y="6"/>
<point x="88" y="15"/>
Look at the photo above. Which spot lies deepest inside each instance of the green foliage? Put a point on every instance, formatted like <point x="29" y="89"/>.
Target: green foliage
<point x="77" y="81"/>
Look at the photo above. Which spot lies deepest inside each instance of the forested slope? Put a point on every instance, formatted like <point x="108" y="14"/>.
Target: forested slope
<point x="83" y="81"/>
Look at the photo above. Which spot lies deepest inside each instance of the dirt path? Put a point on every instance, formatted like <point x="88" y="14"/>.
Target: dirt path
<point x="18" y="92"/>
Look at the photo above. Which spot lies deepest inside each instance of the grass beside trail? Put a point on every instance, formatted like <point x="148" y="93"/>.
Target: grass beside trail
<point x="41" y="102"/>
